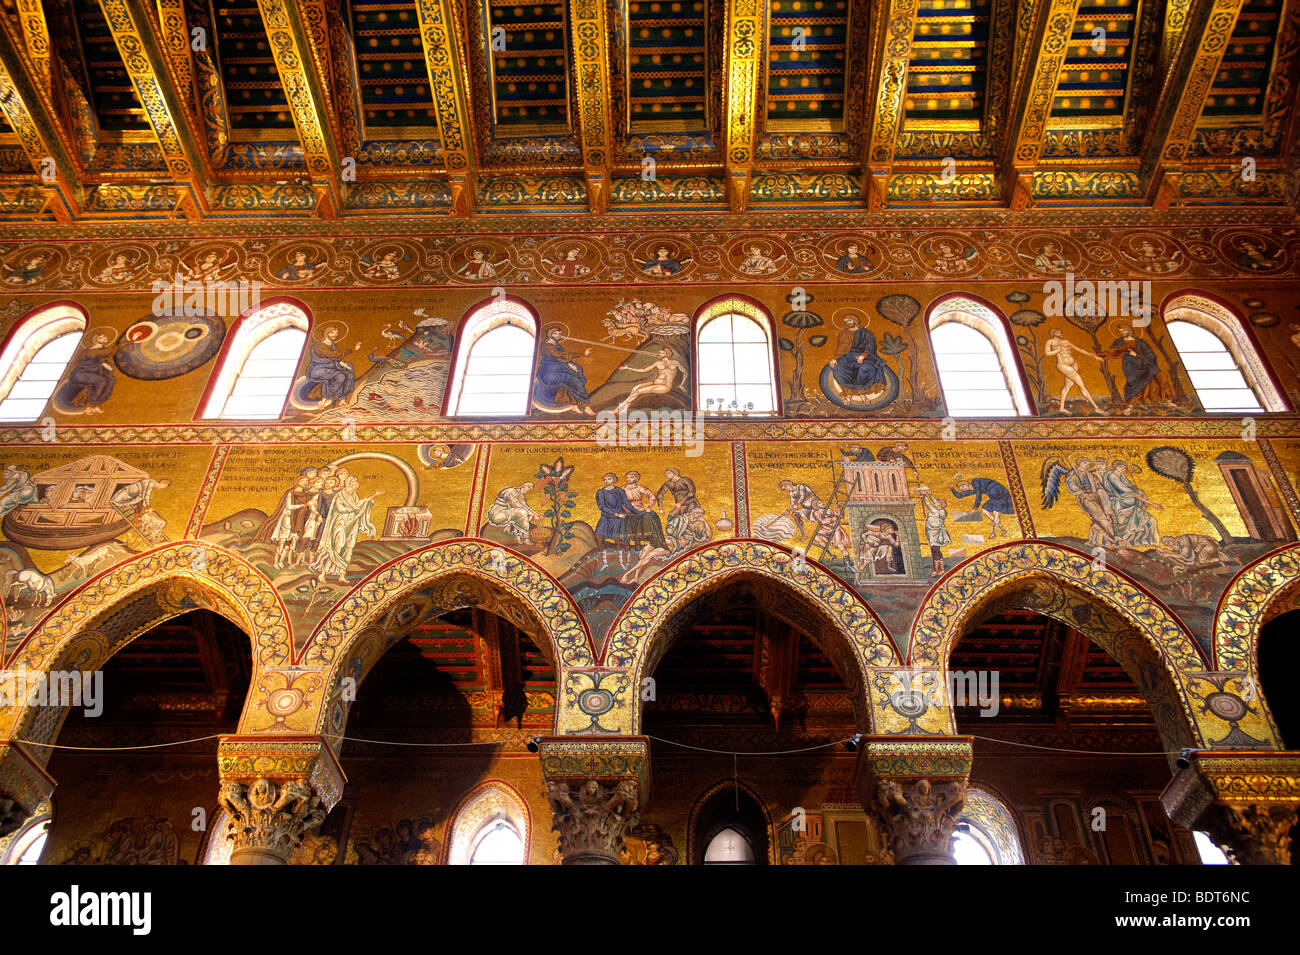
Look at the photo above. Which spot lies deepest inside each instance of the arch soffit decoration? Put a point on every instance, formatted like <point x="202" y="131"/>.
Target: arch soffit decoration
<point x="1184" y="682"/>
<point x="1258" y="593"/>
<point x="101" y="616"/>
<point x="490" y="799"/>
<point x="644" y="625"/>
<point x="993" y="814"/>
<point x="383" y="606"/>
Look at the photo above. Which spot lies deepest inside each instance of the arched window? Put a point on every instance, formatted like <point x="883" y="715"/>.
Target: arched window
<point x="735" y="369"/>
<point x="35" y="359"/>
<point x="729" y="846"/>
<point x="219" y="845"/>
<point x="259" y="363"/>
<point x="728" y="825"/>
<point x="1219" y="357"/>
<point x="986" y="832"/>
<point x="971" y="846"/>
<point x="26" y="845"/>
<point x="493" y="372"/>
<point x="497" y="843"/>
<point x="1211" y="854"/>
<point x="977" y="364"/>
<point x="490" y="827"/>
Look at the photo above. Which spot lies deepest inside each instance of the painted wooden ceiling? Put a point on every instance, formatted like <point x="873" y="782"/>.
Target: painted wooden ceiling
<point x="303" y="108"/>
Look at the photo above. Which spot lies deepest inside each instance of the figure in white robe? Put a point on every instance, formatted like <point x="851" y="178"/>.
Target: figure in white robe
<point x="348" y="519"/>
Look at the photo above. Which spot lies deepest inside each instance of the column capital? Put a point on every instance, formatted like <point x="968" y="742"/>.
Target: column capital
<point x="1246" y="800"/>
<point x="913" y="788"/>
<point x="596" y="787"/>
<point x="276" y="789"/>
<point x="24" y="785"/>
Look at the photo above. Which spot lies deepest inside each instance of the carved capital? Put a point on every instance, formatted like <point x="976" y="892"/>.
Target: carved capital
<point x="268" y="819"/>
<point x="595" y="787"/>
<point x="1246" y="801"/>
<point x="913" y="791"/>
<point x="1253" y="834"/>
<point x="276" y="789"/>
<point x="918" y="817"/>
<point x="592" y="819"/>
<point x="24" y="785"/>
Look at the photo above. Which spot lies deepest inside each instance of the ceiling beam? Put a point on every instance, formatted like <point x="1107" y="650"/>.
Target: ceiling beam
<point x="174" y="32"/>
<point x="36" y="33"/>
<point x="1171" y="31"/>
<point x="1049" y="39"/>
<point x="444" y="57"/>
<point x="135" y="31"/>
<point x="31" y="113"/>
<point x="743" y="54"/>
<point x="1206" y="32"/>
<point x="893" y="52"/>
<point x="295" y="29"/>
<point x="589" y="39"/>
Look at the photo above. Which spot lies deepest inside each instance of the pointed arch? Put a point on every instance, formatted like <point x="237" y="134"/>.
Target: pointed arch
<point x="489" y="801"/>
<point x="492" y="361"/>
<point x="427" y="583"/>
<point x="97" y="619"/>
<point x="35" y="357"/>
<point x="1139" y="631"/>
<point x="997" y="821"/>
<point x="832" y="614"/>
<point x="736" y="357"/>
<point x="697" y="837"/>
<point x="1219" y="354"/>
<point x="975" y="354"/>
<point x="259" y="359"/>
<point x="1255" y="595"/>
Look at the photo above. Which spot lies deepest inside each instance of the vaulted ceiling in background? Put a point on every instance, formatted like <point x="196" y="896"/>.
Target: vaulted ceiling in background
<point x="301" y="108"/>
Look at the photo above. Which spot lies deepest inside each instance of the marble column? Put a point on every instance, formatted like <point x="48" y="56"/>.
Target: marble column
<point x="276" y="790"/>
<point x="1246" y="800"/>
<point x="24" y="785"/>
<point x="596" y="787"/>
<point x="913" y="789"/>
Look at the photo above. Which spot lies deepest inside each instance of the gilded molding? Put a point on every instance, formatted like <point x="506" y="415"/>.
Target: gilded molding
<point x="589" y="38"/>
<point x="746" y="24"/>
<point x="444" y="58"/>
<point x="291" y="27"/>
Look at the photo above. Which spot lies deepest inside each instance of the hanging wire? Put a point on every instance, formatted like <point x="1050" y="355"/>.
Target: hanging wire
<point x="668" y="742"/>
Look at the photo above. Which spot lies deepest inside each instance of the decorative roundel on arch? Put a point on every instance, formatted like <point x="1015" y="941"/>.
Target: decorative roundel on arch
<point x="1258" y="593"/>
<point x="948" y="607"/>
<point x="646" y="616"/>
<point x="178" y="577"/>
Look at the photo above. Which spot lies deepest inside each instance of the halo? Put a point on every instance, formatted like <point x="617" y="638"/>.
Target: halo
<point x="864" y="318"/>
<point x="550" y="327"/>
<point x="320" y="334"/>
<point x="112" y="333"/>
<point x="198" y="255"/>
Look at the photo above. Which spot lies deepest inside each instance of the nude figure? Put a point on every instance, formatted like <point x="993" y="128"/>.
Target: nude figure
<point x="666" y="369"/>
<point x="1062" y="349"/>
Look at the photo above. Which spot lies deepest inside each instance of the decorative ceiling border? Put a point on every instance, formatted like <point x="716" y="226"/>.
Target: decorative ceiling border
<point x="692" y="222"/>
